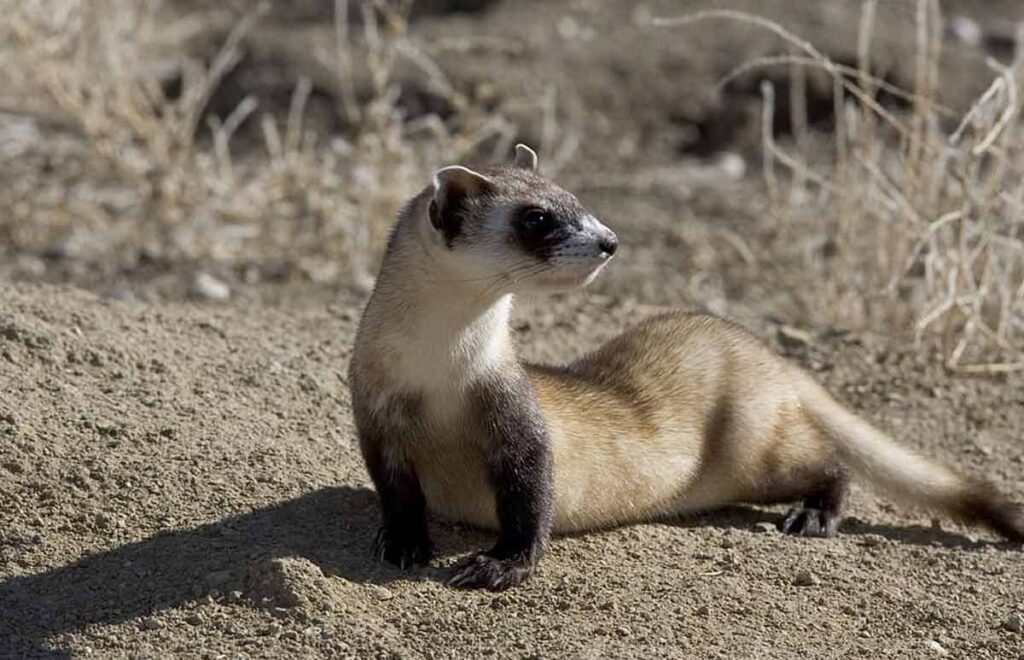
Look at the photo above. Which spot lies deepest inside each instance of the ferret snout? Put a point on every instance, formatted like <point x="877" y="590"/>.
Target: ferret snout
<point x="608" y="243"/>
<point x="586" y="240"/>
<point x="606" y="240"/>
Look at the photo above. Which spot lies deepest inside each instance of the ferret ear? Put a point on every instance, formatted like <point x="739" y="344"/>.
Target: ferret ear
<point x="453" y="187"/>
<point x="526" y="158"/>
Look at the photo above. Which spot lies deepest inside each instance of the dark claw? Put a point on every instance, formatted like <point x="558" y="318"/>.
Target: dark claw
<point x="481" y="571"/>
<point x="402" y="550"/>
<point x="807" y="521"/>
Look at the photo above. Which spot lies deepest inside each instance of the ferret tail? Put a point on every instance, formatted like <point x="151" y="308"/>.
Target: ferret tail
<point x="905" y="475"/>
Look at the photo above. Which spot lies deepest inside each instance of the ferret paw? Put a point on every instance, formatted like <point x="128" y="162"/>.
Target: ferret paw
<point x="481" y="571"/>
<point x="808" y="521"/>
<point x="403" y="550"/>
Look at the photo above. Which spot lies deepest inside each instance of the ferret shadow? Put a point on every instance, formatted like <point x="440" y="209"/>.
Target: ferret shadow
<point x="332" y="527"/>
<point x="752" y="518"/>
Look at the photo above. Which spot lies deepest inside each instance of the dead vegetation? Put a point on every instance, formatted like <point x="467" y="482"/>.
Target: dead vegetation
<point x="159" y="179"/>
<point x="915" y="221"/>
<point x="905" y="220"/>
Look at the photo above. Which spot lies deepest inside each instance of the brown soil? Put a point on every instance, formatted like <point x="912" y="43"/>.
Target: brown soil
<point x="181" y="479"/>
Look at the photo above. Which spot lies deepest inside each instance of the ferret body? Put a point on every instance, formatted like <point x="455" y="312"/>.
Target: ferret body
<point x="683" y="413"/>
<point x="621" y="455"/>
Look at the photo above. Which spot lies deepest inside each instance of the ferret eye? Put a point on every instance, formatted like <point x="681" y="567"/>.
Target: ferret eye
<point x="535" y="221"/>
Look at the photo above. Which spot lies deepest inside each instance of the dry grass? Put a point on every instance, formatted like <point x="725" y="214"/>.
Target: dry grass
<point x="922" y="214"/>
<point x="151" y="176"/>
<point x="912" y="222"/>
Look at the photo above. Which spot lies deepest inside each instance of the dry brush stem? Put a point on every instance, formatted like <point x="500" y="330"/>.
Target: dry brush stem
<point x="321" y="205"/>
<point x="928" y="222"/>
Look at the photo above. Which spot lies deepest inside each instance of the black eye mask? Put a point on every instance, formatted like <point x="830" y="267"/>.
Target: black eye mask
<point x="539" y="230"/>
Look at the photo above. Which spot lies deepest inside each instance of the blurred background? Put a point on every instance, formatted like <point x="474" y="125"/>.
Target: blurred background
<point x="825" y="163"/>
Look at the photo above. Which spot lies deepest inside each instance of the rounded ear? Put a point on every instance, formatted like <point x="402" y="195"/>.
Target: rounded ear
<point x="459" y="180"/>
<point x="453" y="187"/>
<point x="526" y="157"/>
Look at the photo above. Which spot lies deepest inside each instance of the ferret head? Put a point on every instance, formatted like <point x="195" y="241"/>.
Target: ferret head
<point x="512" y="230"/>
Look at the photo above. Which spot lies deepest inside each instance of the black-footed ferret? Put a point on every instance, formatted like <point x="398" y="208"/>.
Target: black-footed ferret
<point x="683" y="413"/>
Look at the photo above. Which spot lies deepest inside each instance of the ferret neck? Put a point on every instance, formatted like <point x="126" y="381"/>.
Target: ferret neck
<point x="434" y="332"/>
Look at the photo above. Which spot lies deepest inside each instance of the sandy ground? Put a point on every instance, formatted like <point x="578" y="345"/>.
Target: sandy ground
<point x="182" y="480"/>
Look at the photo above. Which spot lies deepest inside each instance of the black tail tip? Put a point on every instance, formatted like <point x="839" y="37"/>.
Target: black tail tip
<point x="983" y="503"/>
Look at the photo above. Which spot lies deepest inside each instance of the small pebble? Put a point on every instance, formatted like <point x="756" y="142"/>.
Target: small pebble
<point x="150" y="623"/>
<point x="873" y="541"/>
<point x="732" y="165"/>
<point x="966" y="30"/>
<point x="791" y="337"/>
<point x="383" y="593"/>
<point x="209" y="287"/>
<point x="806" y="579"/>
<point x="622" y="631"/>
<point x="218" y="578"/>
<point x="936" y="648"/>
<point x="1013" y="623"/>
<point x="120" y="294"/>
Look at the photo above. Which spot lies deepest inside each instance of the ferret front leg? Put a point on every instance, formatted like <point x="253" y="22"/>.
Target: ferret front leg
<point x="403" y="538"/>
<point x="518" y="454"/>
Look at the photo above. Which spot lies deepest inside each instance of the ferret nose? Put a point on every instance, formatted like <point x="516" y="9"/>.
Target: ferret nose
<point x="609" y="243"/>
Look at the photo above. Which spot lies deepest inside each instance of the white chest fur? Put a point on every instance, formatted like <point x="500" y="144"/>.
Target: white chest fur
<point x="441" y="350"/>
<point x="444" y="349"/>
